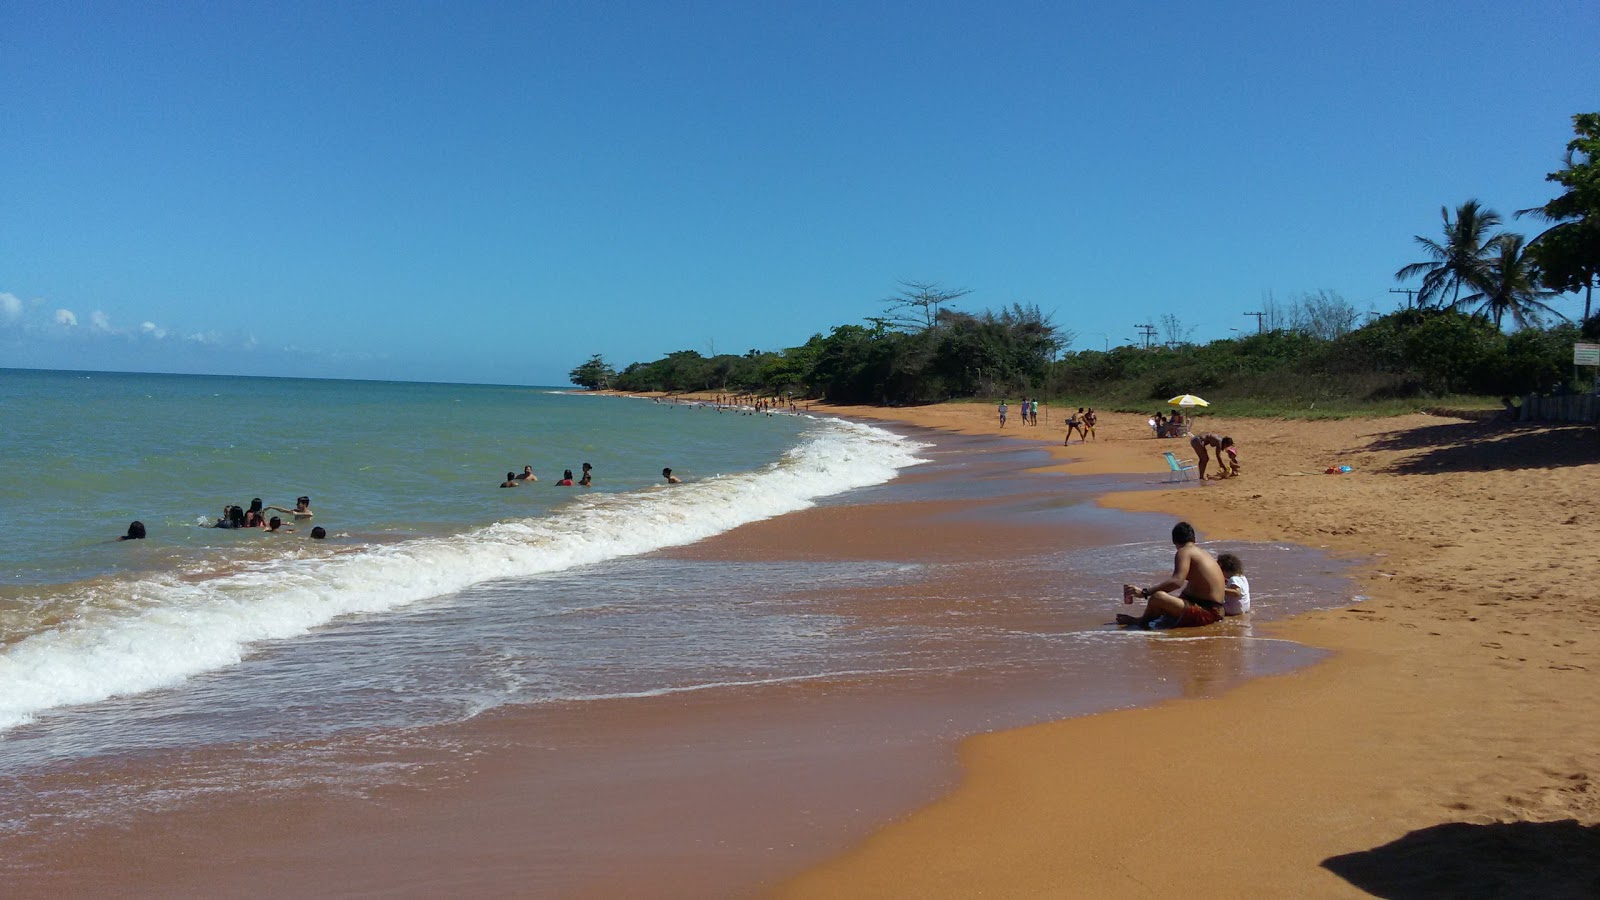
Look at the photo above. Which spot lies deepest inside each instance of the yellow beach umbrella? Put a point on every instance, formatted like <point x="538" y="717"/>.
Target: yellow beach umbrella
<point x="1187" y="400"/>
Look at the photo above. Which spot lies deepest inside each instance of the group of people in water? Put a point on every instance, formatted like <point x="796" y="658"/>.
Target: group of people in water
<point x="1201" y="590"/>
<point x="587" y="480"/>
<point x="256" y="517"/>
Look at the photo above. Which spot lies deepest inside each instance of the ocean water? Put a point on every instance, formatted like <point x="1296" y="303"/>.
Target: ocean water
<point x="403" y="476"/>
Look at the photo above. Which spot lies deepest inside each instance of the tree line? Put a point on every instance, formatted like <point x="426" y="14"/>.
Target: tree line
<point x="1474" y="282"/>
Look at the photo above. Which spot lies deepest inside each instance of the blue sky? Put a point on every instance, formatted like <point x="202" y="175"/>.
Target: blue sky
<point x="492" y="192"/>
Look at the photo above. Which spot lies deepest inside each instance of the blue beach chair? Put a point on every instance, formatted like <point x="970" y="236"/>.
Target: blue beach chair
<point x="1180" y="470"/>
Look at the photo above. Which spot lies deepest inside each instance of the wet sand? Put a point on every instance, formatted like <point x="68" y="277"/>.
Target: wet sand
<point x="1448" y="748"/>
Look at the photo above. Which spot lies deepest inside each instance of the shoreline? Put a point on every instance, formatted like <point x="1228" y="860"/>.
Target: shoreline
<point x="1453" y="715"/>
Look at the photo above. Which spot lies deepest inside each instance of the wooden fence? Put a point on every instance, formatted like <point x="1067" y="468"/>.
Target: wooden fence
<point x="1571" y="408"/>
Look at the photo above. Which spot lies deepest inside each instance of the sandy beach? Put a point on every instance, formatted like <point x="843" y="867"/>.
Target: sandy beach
<point x="1443" y="744"/>
<point x="1449" y="747"/>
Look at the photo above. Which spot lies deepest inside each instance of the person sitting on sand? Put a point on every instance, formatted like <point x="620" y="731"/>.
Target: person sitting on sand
<point x="1236" y="592"/>
<point x="511" y="480"/>
<point x="588" y="476"/>
<point x="527" y="474"/>
<point x="1202" y="444"/>
<point x="302" y="508"/>
<point x="566" y="478"/>
<point x="1197" y="580"/>
<point x="1159" y="423"/>
<point x="275" y="526"/>
<point x="671" y="478"/>
<point x="135" y="532"/>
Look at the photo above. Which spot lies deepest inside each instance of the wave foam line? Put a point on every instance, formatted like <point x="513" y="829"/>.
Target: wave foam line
<point x="156" y="633"/>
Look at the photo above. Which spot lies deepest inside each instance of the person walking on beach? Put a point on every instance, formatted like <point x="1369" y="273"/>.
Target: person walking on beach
<point x="1194" y="594"/>
<point x="1003" y="410"/>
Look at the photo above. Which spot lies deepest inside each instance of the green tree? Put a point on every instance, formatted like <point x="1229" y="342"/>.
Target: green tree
<point x="1568" y="252"/>
<point x="1510" y="284"/>
<point x="594" y="374"/>
<point x="1460" y="261"/>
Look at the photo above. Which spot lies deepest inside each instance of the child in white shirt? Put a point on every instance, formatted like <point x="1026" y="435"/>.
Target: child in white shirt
<point x="1236" y="595"/>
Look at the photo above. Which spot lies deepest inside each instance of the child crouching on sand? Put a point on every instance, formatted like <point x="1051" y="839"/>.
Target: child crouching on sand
<point x="1236" y="593"/>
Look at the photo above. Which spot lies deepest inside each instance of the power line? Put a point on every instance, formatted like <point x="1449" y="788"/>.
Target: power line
<point x="1148" y="331"/>
<point x="1408" y="292"/>
<point x="1260" y="318"/>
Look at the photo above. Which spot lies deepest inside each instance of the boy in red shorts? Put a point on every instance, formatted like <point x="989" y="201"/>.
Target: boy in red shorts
<point x="1194" y="593"/>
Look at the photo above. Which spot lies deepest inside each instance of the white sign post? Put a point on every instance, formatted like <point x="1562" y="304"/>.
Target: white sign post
<point x="1588" y="355"/>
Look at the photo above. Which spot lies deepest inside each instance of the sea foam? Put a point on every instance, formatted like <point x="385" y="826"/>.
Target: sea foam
<point x="154" y="633"/>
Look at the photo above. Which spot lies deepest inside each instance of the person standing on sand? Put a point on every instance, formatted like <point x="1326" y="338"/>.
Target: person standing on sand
<point x="1073" y="424"/>
<point x="1089" y="420"/>
<point x="1003" y="410"/>
<point x="1202" y="444"/>
<point x="1193" y="595"/>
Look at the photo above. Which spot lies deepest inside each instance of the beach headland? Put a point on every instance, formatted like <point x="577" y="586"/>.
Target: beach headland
<point x="1449" y="745"/>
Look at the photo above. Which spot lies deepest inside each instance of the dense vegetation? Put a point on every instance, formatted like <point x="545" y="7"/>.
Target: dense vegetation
<point x="1311" y="350"/>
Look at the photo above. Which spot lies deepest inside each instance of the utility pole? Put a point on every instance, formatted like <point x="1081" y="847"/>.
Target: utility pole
<point x="1148" y="331"/>
<point x="1408" y="292"/>
<point x="1260" y="320"/>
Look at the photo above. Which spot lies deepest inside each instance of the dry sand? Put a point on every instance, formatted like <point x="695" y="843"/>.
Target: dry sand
<point x="1450" y="746"/>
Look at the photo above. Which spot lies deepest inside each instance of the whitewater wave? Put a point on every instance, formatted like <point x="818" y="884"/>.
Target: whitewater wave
<point x="152" y="633"/>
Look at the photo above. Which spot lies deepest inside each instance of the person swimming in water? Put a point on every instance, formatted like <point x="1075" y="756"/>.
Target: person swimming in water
<point x="588" y="476"/>
<point x="527" y="474"/>
<point x="511" y="480"/>
<point x="302" y="508"/>
<point x="671" y="478"/>
<point x="275" y="526"/>
<point x="566" y="478"/>
<point x="135" y="532"/>
<point x="319" y="533"/>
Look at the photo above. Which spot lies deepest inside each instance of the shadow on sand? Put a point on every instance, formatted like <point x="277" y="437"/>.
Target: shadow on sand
<point x="1491" y="446"/>
<point x="1457" y="859"/>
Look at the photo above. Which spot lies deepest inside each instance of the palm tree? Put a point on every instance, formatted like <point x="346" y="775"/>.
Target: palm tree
<point x="1460" y="260"/>
<point x="1510" y="284"/>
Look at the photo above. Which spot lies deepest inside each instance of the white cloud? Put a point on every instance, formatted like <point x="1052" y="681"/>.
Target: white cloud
<point x="203" y="337"/>
<point x="154" y="330"/>
<point x="66" y="317"/>
<point x="100" y="321"/>
<point x="10" y="307"/>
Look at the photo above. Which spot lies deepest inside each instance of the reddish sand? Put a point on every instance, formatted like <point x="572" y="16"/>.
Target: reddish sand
<point x="1449" y="747"/>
